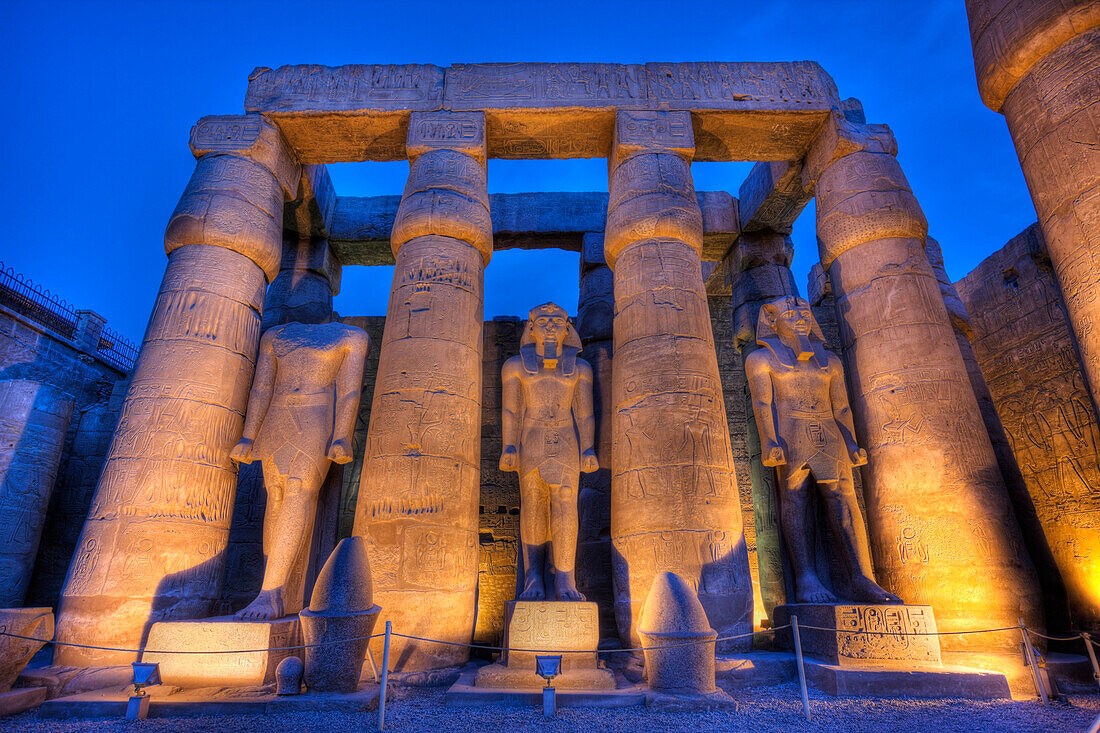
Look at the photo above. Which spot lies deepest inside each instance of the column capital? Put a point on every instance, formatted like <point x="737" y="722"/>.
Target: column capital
<point x="446" y="130"/>
<point x="651" y="132"/>
<point x="252" y="137"/>
<point x="1009" y="38"/>
<point x="839" y="137"/>
<point x="755" y="249"/>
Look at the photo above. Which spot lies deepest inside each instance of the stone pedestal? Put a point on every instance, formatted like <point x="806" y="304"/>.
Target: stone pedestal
<point x="417" y="506"/>
<point x="15" y="652"/>
<point x="549" y="627"/>
<point x="674" y="500"/>
<point x="838" y="645"/>
<point x="221" y="634"/>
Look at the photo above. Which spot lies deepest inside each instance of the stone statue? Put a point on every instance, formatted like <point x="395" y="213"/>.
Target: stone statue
<point x="801" y="407"/>
<point x="301" y="414"/>
<point x="549" y="437"/>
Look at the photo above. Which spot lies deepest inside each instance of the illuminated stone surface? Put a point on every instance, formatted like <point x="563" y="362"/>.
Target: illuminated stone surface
<point x="885" y="633"/>
<point x="534" y="628"/>
<point x="15" y="653"/>
<point x="153" y="546"/>
<point x="1037" y="63"/>
<point x="549" y="439"/>
<point x="806" y="434"/>
<point x="34" y="419"/>
<point x="224" y="637"/>
<point x="1025" y="347"/>
<point x="674" y="619"/>
<point x="417" y="503"/>
<point x="942" y="528"/>
<point x="674" y="499"/>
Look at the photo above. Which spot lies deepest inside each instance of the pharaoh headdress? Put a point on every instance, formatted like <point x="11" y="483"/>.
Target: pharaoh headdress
<point x="807" y="347"/>
<point x="528" y="349"/>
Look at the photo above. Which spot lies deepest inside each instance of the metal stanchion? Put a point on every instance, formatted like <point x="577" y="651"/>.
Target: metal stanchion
<point x="801" y="670"/>
<point x="1029" y="655"/>
<point x="385" y="678"/>
<point x="1092" y="656"/>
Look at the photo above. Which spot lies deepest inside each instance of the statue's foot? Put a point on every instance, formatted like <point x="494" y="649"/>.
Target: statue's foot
<point x="565" y="590"/>
<point x="533" y="591"/>
<point x="268" y="606"/>
<point x="810" y="590"/>
<point x="866" y="590"/>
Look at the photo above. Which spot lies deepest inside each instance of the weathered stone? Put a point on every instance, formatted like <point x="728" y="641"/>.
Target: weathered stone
<point x="861" y="635"/>
<point x="1024" y="345"/>
<point x="549" y="434"/>
<point x="34" y="419"/>
<point x="678" y="639"/>
<point x="240" y="653"/>
<point x="417" y="503"/>
<point x="336" y="627"/>
<point x="942" y="529"/>
<point x="772" y="197"/>
<point x="288" y="676"/>
<point x="36" y="623"/>
<point x="674" y="498"/>
<point x="153" y="546"/>
<point x="806" y="434"/>
<point x="925" y="682"/>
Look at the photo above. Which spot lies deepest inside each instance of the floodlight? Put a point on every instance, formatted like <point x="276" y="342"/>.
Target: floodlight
<point x="548" y="667"/>
<point x="145" y="674"/>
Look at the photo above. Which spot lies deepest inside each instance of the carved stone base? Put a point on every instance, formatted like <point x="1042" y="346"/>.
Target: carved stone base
<point x="222" y="633"/>
<point x="549" y="627"/>
<point x="840" y="647"/>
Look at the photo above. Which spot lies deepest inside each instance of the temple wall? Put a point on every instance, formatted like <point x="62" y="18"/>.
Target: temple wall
<point x="1026" y="350"/>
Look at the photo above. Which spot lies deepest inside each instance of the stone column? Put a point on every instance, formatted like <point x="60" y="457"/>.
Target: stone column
<point x="674" y="500"/>
<point x="943" y="532"/>
<point x="760" y="271"/>
<point x="595" y="324"/>
<point x="1038" y="548"/>
<point x="418" y="496"/>
<point x="153" y="546"/>
<point x="1037" y="62"/>
<point x="34" y="419"/>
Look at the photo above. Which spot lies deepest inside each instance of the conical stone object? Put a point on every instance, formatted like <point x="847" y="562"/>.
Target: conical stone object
<point x="340" y="617"/>
<point x="678" y="638"/>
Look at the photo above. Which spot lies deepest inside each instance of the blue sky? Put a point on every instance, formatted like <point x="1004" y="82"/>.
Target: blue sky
<point x="101" y="96"/>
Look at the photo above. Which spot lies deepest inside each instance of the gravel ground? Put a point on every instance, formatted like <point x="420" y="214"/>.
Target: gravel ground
<point x="774" y="709"/>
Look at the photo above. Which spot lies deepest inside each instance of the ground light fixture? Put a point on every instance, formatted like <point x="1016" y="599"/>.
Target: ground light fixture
<point x="548" y="666"/>
<point x="145" y="674"/>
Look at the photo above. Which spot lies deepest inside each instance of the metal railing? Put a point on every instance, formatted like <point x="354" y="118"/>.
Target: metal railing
<point x="116" y="349"/>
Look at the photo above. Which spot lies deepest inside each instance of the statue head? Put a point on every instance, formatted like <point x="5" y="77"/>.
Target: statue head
<point x="787" y="326"/>
<point x="549" y="336"/>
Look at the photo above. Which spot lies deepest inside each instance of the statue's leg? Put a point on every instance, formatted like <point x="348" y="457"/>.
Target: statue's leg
<point x="534" y="533"/>
<point x="563" y="539"/>
<point x="798" y="533"/>
<point x="848" y="525"/>
<point x="288" y="526"/>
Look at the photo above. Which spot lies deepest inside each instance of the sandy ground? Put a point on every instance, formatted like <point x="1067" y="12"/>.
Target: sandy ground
<point x="758" y="710"/>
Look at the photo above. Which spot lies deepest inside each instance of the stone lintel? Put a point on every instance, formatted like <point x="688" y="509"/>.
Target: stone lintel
<point x="741" y="110"/>
<point x="359" y="230"/>
<point x="310" y="213"/>
<point x="252" y="137"/>
<point x="772" y="196"/>
<point x="839" y="137"/>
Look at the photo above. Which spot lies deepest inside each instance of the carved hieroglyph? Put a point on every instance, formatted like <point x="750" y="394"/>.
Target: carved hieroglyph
<point x="34" y="419"/>
<point x="301" y="414"/>
<point x="1025" y="347"/>
<point x="942" y="530"/>
<point x="418" y="496"/>
<point x="806" y="434"/>
<point x="674" y="500"/>
<point x="1037" y="62"/>
<point x="549" y="435"/>
<point x="153" y="546"/>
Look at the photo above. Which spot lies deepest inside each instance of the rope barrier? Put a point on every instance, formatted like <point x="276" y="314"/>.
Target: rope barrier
<point x="909" y="633"/>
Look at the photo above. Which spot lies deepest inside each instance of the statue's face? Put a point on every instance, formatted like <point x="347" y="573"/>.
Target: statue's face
<point x="794" y="322"/>
<point x="550" y="327"/>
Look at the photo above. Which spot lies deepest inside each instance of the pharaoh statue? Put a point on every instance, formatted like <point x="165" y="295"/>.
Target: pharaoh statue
<point x="806" y="434"/>
<point x="549" y="438"/>
<point x="300" y="417"/>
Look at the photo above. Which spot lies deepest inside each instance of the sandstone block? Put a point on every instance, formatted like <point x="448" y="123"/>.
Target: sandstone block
<point x="36" y="623"/>
<point x="859" y="634"/>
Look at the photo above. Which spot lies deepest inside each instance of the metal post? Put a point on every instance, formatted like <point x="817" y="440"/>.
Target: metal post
<point x="1092" y="656"/>
<point x="385" y="678"/>
<point x="1029" y="655"/>
<point x="549" y="702"/>
<point x="801" y="671"/>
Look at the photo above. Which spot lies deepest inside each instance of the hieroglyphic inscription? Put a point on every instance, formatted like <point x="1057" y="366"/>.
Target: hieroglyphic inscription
<point x="355" y="86"/>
